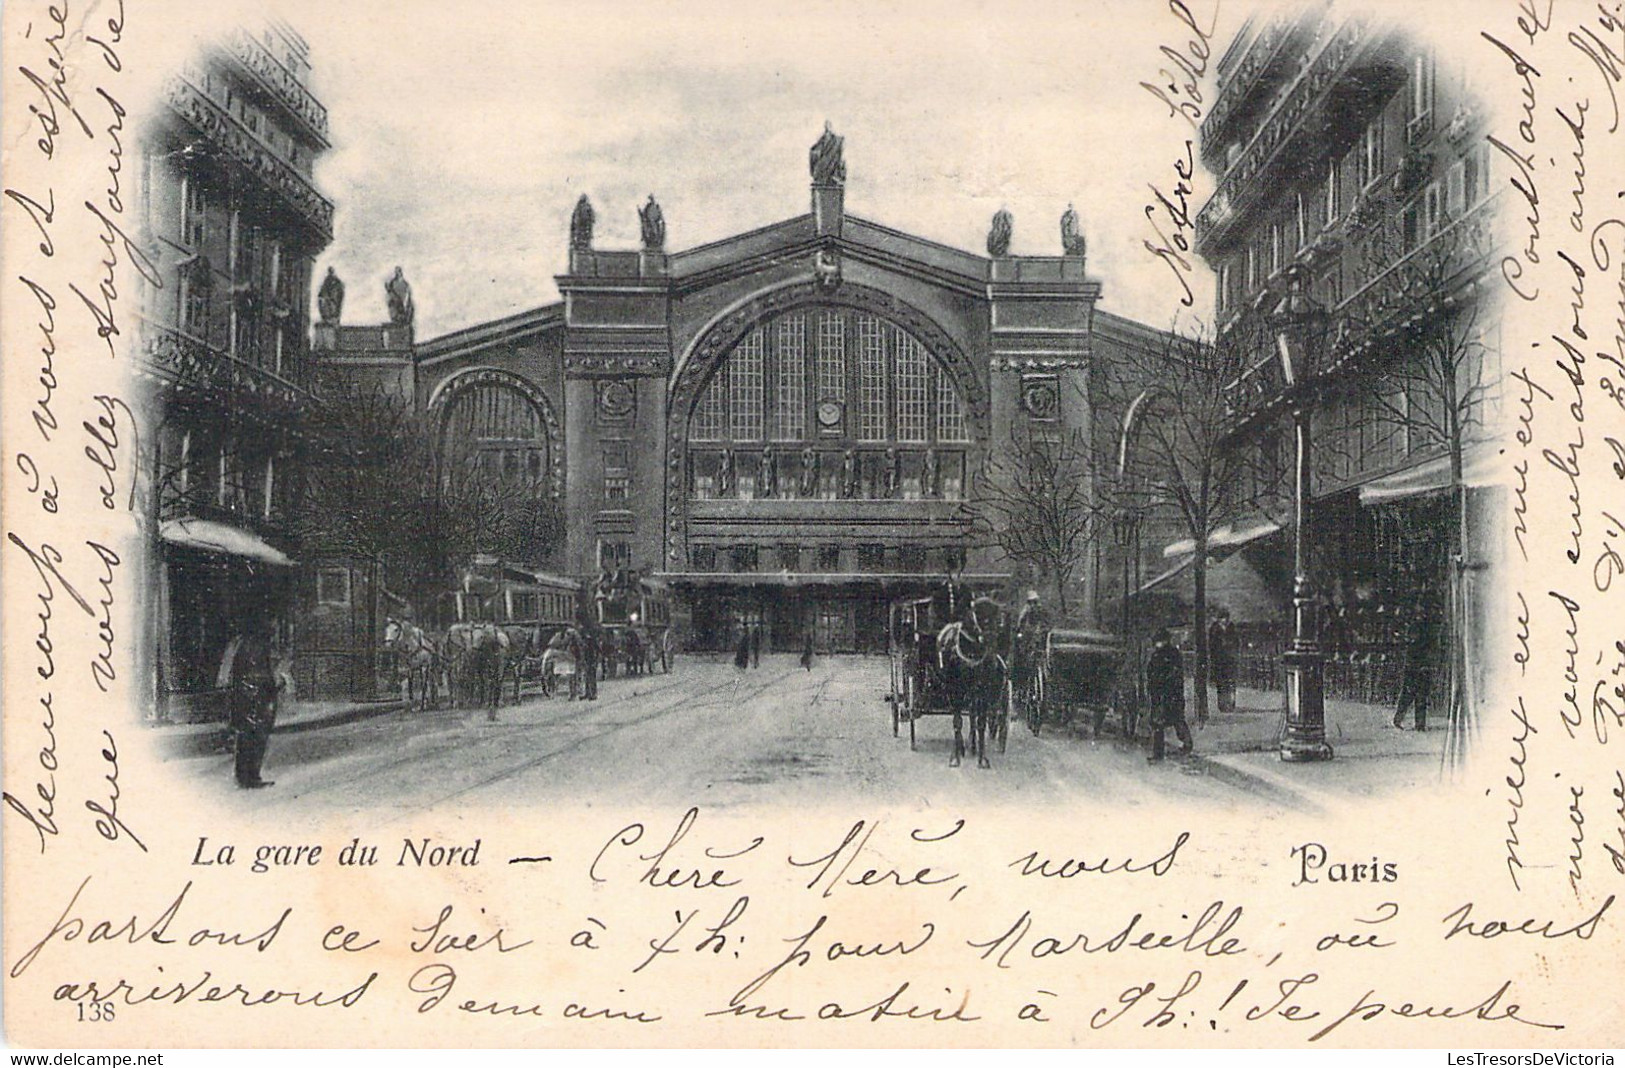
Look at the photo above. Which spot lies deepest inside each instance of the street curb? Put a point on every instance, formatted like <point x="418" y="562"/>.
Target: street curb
<point x="1266" y="787"/>
<point x="1278" y="791"/>
<point x="348" y="715"/>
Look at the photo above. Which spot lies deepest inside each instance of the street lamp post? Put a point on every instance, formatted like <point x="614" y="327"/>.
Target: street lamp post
<point x="1300" y="328"/>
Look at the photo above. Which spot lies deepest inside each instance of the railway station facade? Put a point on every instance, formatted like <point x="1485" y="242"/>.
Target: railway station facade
<point x="786" y="426"/>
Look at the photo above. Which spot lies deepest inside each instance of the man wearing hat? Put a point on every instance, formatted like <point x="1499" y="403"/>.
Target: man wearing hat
<point x="1165" y="690"/>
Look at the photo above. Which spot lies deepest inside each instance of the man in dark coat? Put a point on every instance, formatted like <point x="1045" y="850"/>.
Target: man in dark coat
<point x="742" y="651"/>
<point x="587" y="668"/>
<point x="1416" y="681"/>
<point x="254" y="687"/>
<point x="756" y="645"/>
<point x="1165" y="690"/>
<point x="1221" y="653"/>
<point x="807" y="651"/>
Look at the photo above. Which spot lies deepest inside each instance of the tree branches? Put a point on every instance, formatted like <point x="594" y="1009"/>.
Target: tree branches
<point x="1038" y="504"/>
<point x="378" y="485"/>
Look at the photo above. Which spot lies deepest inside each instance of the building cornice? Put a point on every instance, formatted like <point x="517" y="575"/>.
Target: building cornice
<point x="241" y="147"/>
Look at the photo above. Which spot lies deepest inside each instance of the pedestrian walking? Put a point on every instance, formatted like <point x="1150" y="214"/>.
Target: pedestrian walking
<point x="254" y="688"/>
<point x="1221" y="654"/>
<point x="1416" y="680"/>
<point x="588" y="669"/>
<point x="1165" y="689"/>
<point x="807" y="651"/>
<point x="756" y="645"/>
<point x="742" y="653"/>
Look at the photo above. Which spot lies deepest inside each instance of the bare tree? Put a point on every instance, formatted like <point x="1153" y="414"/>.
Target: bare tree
<point x="1038" y="505"/>
<point x="1179" y="456"/>
<point x="378" y="485"/>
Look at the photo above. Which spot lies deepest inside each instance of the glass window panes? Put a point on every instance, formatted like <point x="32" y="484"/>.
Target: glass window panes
<point x="707" y="424"/>
<point x="790" y="409"/>
<point x="816" y="376"/>
<point x="911" y="389"/>
<point x="1421" y="86"/>
<point x="501" y="427"/>
<point x="745" y="389"/>
<point x="1371" y="154"/>
<point x="950" y="416"/>
<point x="831" y="357"/>
<point x="871" y="380"/>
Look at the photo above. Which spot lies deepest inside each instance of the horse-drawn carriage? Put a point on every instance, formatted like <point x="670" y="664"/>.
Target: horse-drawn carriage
<point x="492" y="631"/>
<point x="1078" y="673"/>
<point x="951" y="663"/>
<point x="635" y="619"/>
<point x="948" y="659"/>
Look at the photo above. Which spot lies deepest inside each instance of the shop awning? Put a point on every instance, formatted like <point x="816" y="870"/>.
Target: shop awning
<point x="1479" y="467"/>
<point x="209" y="536"/>
<point x="1226" y="539"/>
<point x="1234" y="582"/>
<point x="1168" y="575"/>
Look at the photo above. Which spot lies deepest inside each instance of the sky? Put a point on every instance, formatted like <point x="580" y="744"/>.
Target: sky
<point x="463" y="134"/>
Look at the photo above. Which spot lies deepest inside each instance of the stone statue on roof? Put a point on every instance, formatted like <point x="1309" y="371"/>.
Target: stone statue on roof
<point x="653" y="222"/>
<point x="1072" y="243"/>
<point x="825" y="160"/>
<point x="330" y="298"/>
<point x="998" y="236"/>
<point x="399" y="296"/>
<point x="581" y="220"/>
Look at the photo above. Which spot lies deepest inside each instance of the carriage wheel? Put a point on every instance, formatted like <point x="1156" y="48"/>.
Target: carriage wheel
<point x="895" y="697"/>
<point x="909" y="708"/>
<point x="1001" y="726"/>
<point x="1032" y="698"/>
<point x="665" y="660"/>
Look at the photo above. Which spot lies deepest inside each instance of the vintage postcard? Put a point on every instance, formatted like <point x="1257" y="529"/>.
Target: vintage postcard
<point x="814" y="524"/>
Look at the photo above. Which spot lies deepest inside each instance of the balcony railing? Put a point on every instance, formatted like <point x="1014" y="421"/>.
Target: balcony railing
<point x="1308" y="91"/>
<point x="241" y="147"/>
<point x="1404" y="292"/>
<point x="1243" y="80"/>
<point x="191" y="365"/>
<point x="277" y="80"/>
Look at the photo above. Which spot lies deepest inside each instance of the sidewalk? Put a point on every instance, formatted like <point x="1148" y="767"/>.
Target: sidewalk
<point x="1369" y="756"/>
<point x="177" y="740"/>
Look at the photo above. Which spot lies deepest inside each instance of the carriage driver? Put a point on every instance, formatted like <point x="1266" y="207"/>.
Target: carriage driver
<point x="1031" y="625"/>
<point x="1027" y="640"/>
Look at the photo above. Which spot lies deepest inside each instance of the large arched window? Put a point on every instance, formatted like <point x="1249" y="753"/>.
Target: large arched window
<point x="830" y="374"/>
<point x="828" y="402"/>
<point x="498" y="428"/>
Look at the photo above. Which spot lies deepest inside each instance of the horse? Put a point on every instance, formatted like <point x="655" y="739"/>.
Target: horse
<point x="633" y="649"/>
<point x="479" y="655"/>
<point x="419" y="659"/>
<point x="524" y="648"/>
<point x="972" y="670"/>
<point x="562" y="658"/>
